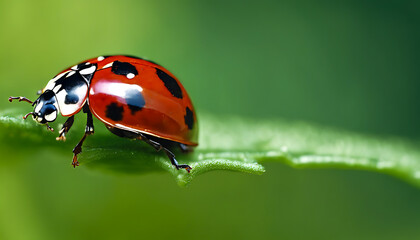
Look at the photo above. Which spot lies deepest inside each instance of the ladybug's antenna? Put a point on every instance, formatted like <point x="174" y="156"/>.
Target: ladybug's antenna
<point x="20" y="99"/>
<point x="27" y="115"/>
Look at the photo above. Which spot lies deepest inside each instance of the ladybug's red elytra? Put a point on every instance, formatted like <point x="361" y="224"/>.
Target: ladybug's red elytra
<point x="133" y="97"/>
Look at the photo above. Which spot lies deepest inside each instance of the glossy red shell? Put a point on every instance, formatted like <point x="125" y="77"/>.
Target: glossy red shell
<point x="163" y="115"/>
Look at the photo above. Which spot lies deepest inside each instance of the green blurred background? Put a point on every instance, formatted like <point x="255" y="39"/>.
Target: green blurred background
<point x="347" y="64"/>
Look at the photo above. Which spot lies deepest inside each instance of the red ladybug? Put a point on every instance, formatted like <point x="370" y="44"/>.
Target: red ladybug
<point x="133" y="97"/>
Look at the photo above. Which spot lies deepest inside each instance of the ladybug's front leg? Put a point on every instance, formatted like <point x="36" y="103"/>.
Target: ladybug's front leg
<point x="89" y="130"/>
<point x="66" y="127"/>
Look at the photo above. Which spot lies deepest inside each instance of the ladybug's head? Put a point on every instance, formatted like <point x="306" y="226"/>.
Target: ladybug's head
<point x="45" y="108"/>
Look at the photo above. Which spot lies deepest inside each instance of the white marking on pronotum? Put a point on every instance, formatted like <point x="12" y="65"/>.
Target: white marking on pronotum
<point x="108" y="65"/>
<point x="59" y="76"/>
<point x="56" y="88"/>
<point x="80" y="91"/>
<point x="38" y="107"/>
<point x="130" y="75"/>
<point x="67" y="109"/>
<point x="88" y="71"/>
<point x="50" y="85"/>
<point x="70" y="74"/>
<point x="74" y="67"/>
<point x="100" y="58"/>
<point x="61" y="95"/>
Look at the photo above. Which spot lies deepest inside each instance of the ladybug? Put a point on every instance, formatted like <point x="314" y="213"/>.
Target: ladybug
<point x="133" y="97"/>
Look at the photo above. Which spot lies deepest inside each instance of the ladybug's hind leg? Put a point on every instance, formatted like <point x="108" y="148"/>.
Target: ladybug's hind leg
<point x="171" y="156"/>
<point x="89" y="130"/>
<point x="158" y="146"/>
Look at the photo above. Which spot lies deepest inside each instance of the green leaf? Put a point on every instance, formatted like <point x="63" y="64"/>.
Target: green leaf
<point x="226" y="143"/>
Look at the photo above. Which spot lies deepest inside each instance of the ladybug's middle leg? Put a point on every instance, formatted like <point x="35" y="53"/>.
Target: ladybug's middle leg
<point x="89" y="130"/>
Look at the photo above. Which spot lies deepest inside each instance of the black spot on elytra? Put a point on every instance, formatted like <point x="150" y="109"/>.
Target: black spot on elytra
<point x="189" y="118"/>
<point x="71" y="99"/>
<point x="134" y="100"/>
<point x="170" y="83"/>
<point x="114" y="112"/>
<point x="123" y="68"/>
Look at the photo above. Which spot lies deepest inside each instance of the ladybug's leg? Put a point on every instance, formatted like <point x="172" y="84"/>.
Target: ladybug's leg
<point x="171" y="156"/>
<point x="89" y="124"/>
<point x="158" y="146"/>
<point x="66" y="127"/>
<point x="77" y="150"/>
<point x="89" y="130"/>
<point x="20" y="99"/>
<point x="154" y="144"/>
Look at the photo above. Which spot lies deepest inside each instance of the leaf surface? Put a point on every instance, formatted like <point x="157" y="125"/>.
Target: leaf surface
<point x="226" y="143"/>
